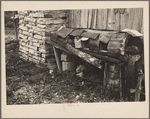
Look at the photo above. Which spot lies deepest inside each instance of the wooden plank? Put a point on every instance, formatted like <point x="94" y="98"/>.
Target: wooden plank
<point x="94" y="16"/>
<point x="120" y="78"/>
<point x="124" y="19"/>
<point x="89" y="18"/>
<point x="69" y="19"/>
<point x="85" y="56"/>
<point x="131" y="18"/>
<point x="101" y="19"/>
<point x="57" y="59"/>
<point x="84" y="18"/>
<point x="100" y="31"/>
<point x="77" y="18"/>
<point x="135" y="19"/>
<point x="72" y="19"/>
<point x="111" y="19"/>
<point x="142" y="28"/>
<point x="58" y="46"/>
<point x="117" y="20"/>
<point x="15" y="27"/>
<point x="102" y="57"/>
<point x="105" y="19"/>
<point x="105" y="76"/>
<point x="138" y="19"/>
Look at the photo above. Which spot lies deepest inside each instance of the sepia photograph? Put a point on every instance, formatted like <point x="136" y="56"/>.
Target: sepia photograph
<point x="69" y="56"/>
<point x="74" y="56"/>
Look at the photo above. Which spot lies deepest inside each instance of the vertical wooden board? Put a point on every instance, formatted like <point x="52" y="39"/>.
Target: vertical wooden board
<point x="70" y="19"/>
<point x="131" y="18"/>
<point x="124" y="19"/>
<point x="117" y="20"/>
<point x="142" y="24"/>
<point x="89" y="18"/>
<point x="142" y="28"/>
<point x="111" y="19"/>
<point x="136" y="19"/>
<point x="67" y="20"/>
<point x="105" y="18"/>
<point x="84" y="18"/>
<point x="94" y="17"/>
<point x="101" y="19"/>
<point x="77" y="18"/>
<point x="137" y="24"/>
<point x="57" y="59"/>
<point x="140" y="19"/>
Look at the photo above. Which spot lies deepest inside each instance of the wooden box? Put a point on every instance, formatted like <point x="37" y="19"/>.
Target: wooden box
<point x="93" y="42"/>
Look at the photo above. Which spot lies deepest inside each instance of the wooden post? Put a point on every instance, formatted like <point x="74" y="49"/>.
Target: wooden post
<point x="120" y="66"/>
<point x="105" y="77"/>
<point x="15" y="28"/>
<point x="57" y="59"/>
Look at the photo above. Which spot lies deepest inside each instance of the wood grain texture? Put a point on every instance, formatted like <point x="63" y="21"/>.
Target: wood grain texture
<point x="77" y="18"/>
<point x="137" y="24"/>
<point x="102" y="19"/>
<point x="124" y="19"/>
<point x="131" y="18"/>
<point x="117" y="20"/>
<point x="57" y="59"/>
<point x="94" y="17"/>
<point x="111" y="19"/>
<point x="89" y="18"/>
<point x="69" y="19"/>
<point x="84" y="18"/>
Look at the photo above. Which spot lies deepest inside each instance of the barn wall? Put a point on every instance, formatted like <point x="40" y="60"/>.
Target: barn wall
<point x="111" y="19"/>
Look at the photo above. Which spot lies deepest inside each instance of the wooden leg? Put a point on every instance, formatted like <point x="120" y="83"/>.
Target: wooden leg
<point x="15" y="27"/>
<point x="105" y="76"/>
<point x="57" y="59"/>
<point x="120" y="65"/>
<point x="139" y="88"/>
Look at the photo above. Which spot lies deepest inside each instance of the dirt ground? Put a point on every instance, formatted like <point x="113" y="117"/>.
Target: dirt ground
<point x="29" y="84"/>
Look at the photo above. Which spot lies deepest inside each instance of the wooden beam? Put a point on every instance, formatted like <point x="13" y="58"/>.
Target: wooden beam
<point x="57" y="59"/>
<point x="102" y="57"/>
<point x="85" y="56"/>
<point x="105" y="77"/>
<point x="58" y="46"/>
<point x="15" y="28"/>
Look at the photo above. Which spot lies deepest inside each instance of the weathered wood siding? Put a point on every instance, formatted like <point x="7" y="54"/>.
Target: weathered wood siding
<point x="111" y="19"/>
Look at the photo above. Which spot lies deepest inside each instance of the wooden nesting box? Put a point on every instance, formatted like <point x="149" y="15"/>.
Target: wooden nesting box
<point x="117" y="43"/>
<point x="62" y="35"/>
<point x="81" y="42"/>
<point x="104" y="39"/>
<point x="93" y="42"/>
<point x="75" y="38"/>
